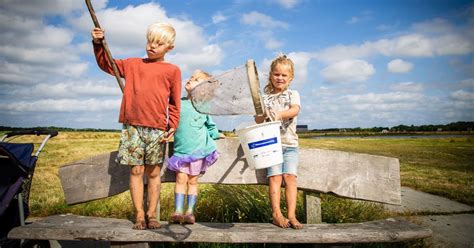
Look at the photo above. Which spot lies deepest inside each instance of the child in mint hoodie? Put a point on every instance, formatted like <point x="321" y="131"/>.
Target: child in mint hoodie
<point x="194" y="151"/>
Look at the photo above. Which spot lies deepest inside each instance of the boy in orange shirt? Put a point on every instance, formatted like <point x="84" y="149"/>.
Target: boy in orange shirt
<point x="149" y="112"/>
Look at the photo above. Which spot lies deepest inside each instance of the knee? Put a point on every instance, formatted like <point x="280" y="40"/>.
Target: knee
<point x="192" y="183"/>
<point x="289" y="179"/>
<point x="181" y="180"/>
<point x="153" y="171"/>
<point x="137" y="170"/>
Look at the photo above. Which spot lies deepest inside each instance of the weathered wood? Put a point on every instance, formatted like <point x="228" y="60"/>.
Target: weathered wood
<point x="312" y="205"/>
<point x="346" y="174"/>
<point x="74" y="227"/>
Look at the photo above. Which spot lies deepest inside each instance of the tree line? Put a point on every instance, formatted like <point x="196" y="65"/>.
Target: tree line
<point x="454" y="126"/>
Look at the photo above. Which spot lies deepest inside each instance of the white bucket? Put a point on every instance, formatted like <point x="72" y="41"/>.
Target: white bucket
<point x="262" y="144"/>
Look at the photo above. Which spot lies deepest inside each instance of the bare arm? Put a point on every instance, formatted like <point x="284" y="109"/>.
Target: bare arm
<point x="287" y="114"/>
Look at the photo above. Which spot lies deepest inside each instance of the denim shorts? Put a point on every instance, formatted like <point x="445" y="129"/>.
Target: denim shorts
<point x="289" y="165"/>
<point x="140" y="146"/>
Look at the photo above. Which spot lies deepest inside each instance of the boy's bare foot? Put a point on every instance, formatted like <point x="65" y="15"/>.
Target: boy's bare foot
<point x="153" y="223"/>
<point x="139" y="225"/>
<point x="280" y="221"/>
<point x="295" y="224"/>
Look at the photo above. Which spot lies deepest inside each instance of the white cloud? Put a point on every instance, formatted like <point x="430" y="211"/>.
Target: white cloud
<point x="258" y="19"/>
<point x="348" y="71"/>
<point x="407" y="86"/>
<point x="288" y="4"/>
<point x="467" y="83"/>
<point x="218" y="17"/>
<point x="392" y="97"/>
<point x="44" y="7"/>
<point x="27" y="74"/>
<point x="301" y="61"/>
<point x="269" y="40"/>
<point x="434" y="26"/>
<point x="399" y="66"/>
<point x="453" y="44"/>
<point x="76" y="89"/>
<point x="462" y="95"/>
<point x="267" y="23"/>
<point x="61" y="105"/>
<point x="272" y="43"/>
<point x="411" y="45"/>
<point x="209" y="55"/>
<point x="363" y="16"/>
<point x="126" y="34"/>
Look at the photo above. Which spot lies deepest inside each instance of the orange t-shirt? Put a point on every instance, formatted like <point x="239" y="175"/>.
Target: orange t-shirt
<point x="152" y="93"/>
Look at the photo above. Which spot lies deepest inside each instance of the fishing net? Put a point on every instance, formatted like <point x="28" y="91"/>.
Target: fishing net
<point x="234" y="92"/>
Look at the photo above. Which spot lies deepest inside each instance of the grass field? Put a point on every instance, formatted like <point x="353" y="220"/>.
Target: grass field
<point x="440" y="166"/>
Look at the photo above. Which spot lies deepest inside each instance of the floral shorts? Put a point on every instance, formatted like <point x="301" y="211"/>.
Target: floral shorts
<point x="140" y="146"/>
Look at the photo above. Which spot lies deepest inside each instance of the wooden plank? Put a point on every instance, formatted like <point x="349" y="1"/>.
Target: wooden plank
<point x="74" y="227"/>
<point x="346" y="174"/>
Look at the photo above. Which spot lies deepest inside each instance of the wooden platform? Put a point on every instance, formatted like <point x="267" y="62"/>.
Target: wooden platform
<point x="74" y="227"/>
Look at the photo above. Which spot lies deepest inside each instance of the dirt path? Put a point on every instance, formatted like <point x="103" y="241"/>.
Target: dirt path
<point x="452" y="222"/>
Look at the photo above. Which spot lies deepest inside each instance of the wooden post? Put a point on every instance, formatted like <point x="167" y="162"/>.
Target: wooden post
<point x="312" y="205"/>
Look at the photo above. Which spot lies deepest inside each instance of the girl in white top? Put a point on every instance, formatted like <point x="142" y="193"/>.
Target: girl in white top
<point x="283" y="104"/>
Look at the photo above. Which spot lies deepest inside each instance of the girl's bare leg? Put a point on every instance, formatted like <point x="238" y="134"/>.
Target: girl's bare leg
<point x="181" y="181"/>
<point x="291" y="194"/>
<point x="274" y="193"/>
<point x="192" y="185"/>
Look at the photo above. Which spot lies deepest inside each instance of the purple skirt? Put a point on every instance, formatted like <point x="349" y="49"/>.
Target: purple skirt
<point x="192" y="165"/>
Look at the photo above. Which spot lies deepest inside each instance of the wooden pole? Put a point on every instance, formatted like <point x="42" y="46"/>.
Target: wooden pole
<point x="105" y="46"/>
<point x="312" y="205"/>
<point x="254" y="87"/>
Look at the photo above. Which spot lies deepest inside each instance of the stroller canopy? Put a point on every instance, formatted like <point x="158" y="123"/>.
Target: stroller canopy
<point x="19" y="154"/>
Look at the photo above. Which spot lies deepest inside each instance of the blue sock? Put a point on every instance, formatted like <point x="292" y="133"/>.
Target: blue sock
<point x="191" y="203"/>
<point x="179" y="203"/>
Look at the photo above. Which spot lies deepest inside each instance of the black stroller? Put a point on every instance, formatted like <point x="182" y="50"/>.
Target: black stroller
<point x="17" y="165"/>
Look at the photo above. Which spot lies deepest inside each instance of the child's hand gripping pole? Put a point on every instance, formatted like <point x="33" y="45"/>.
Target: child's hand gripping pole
<point x="267" y="115"/>
<point x="106" y="47"/>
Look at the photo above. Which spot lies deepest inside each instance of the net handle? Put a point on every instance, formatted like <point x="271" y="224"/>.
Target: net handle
<point x="254" y="86"/>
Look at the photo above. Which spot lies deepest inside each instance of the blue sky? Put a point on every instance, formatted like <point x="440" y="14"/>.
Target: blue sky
<point x="358" y="63"/>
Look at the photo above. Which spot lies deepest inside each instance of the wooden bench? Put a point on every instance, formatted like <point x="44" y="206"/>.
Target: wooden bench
<point x="349" y="175"/>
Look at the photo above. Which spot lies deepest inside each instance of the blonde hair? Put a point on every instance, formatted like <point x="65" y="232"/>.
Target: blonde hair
<point x="281" y="59"/>
<point x="161" y="32"/>
<point x="201" y="75"/>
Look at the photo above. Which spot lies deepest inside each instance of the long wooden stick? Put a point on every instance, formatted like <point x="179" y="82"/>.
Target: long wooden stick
<point x="106" y="47"/>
